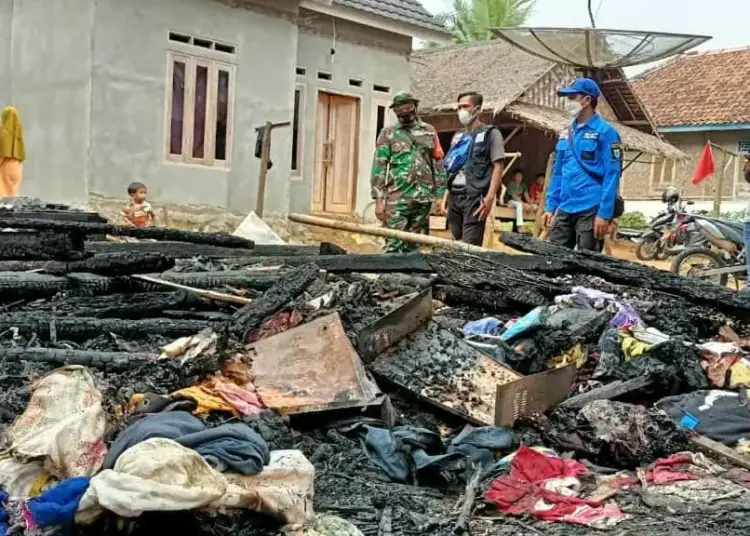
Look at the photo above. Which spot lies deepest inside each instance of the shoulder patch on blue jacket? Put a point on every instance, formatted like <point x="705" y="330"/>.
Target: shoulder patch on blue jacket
<point x="616" y="151"/>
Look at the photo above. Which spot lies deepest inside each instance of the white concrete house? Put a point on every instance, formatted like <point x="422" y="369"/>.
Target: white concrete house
<point x="171" y="92"/>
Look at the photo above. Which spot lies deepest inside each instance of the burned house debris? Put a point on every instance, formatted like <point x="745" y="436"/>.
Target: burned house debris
<point x="207" y="385"/>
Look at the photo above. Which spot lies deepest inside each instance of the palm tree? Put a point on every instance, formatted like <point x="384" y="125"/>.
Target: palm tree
<point x="471" y="20"/>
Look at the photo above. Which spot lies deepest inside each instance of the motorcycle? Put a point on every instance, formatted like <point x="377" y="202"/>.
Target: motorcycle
<point x="726" y="257"/>
<point x="671" y="232"/>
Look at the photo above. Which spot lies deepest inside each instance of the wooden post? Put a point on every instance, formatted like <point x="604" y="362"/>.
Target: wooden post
<point x="265" y="155"/>
<point x="719" y="185"/>
<point x="539" y="232"/>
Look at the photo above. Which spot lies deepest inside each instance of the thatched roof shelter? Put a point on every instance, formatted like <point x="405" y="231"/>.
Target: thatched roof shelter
<point x="522" y="86"/>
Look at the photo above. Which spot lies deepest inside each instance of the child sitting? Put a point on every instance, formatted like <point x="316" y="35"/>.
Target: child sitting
<point x="138" y="211"/>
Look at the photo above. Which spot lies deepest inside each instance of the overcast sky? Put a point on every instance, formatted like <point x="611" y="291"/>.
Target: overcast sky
<point x="727" y="21"/>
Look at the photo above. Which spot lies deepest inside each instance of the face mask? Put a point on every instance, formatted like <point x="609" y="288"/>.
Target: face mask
<point x="573" y="107"/>
<point x="407" y="118"/>
<point x="465" y="117"/>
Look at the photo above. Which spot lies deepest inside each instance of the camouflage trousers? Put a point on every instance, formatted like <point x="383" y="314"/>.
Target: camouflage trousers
<point x="413" y="217"/>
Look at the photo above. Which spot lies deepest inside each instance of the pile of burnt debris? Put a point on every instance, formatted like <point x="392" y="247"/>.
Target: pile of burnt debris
<point x="155" y="379"/>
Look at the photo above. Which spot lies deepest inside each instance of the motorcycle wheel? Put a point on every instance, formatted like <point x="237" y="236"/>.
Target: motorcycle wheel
<point x="647" y="249"/>
<point x="691" y="262"/>
<point x="662" y="251"/>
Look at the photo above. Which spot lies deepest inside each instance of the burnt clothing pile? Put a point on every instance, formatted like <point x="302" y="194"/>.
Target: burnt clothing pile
<point x="166" y="419"/>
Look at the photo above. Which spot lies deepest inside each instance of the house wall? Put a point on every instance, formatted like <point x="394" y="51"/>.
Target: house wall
<point x="6" y="32"/>
<point x="49" y="82"/>
<point x="645" y="181"/>
<point x="128" y="99"/>
<point x="367" y="54"/>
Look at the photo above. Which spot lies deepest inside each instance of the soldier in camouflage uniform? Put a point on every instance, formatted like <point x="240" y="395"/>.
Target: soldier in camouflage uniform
<point x="407" y="174"/>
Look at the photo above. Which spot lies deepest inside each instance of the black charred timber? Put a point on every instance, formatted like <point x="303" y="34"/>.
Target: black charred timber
<point x="478" y="272"/>
<point x="41" y="245"/>
<point x="487" y="301"/>
<point x="208" y="316"/>
<point x="105" y="361"/>
<point x="80" y="329"/>
<point x="637" y="275"/>
<point x="373" y="264"/>
<point x="148" y="233"/>
<point x="131" y="306"/>
<point x="112" y="264"/>
<point x="177" y="250"/>
<point x="208" y="280"/>
<point x="30" y="286"/>
<point x="286" y="290"/>
<point x="86" y="284"/>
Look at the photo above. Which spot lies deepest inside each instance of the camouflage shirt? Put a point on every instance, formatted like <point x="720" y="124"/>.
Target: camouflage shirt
<point x="408" y="164"/>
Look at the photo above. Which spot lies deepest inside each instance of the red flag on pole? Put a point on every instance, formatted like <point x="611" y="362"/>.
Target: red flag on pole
<point x="705" y="165"/>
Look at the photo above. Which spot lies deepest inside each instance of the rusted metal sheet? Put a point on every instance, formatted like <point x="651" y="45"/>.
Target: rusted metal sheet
<point x="391" y="328"/>
<point x="445" y="371"/>
<point x="532" y="394"/>
<point x="311" y="368"/>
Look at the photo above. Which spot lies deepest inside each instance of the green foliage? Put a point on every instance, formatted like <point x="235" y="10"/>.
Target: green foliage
<point x="633" y="220"/>
<point x="471" y="20"/>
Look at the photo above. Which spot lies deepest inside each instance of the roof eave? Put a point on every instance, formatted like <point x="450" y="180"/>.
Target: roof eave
<point x="365" y="18"/>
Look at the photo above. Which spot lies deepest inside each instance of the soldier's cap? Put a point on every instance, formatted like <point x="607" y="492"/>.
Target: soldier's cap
<point x="403" y="97"/>
<point x="581" y="86"/>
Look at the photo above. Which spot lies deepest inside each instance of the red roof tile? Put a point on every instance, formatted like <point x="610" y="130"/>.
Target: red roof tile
<point x="698" y="89"/>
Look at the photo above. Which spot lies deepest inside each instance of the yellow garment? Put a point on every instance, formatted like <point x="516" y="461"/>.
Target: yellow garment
<point x="632" y="347"/>
<point x="11" y="176"/>
<point x="11" y="137"/>
<point x="576" y="355"/>
<point x="739" y="374"/>
<point x="206" y="399"/>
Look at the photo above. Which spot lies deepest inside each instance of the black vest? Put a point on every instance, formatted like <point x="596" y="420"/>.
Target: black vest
<point x="478" y="168"/>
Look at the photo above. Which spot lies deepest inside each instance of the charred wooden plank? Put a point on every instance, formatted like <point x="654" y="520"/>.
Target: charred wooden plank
<point x="638" y="275"/>
<point x="149" y="233"/>
<point x="374" y="264"/>
<point x="112" y="264"/>
<point x="177" y="250"/>
<point x="607" y="392"/>
<point x="81" y="329"/>
<point x="106" y="361"/>
<point x="41" y="245"/>
<point x="287" y="289"/>
<point x="30" y="286"/>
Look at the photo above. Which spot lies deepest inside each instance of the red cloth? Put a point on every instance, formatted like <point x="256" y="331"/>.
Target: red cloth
<point x="521" y="491"/>
<point x="705" y="165"/>
<point x="535" y="192"/>
<point x="666" y="470"/>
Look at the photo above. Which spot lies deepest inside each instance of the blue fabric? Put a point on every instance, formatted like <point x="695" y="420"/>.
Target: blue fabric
<point x="581" y="86"/>
<point x="525" y="323"/>
<point x="235" y="447"/>
<point x="485" y="326"/>
<point x="58" y="506"/>
<point x="459" y="153"/>
<point x="574" y="190"/>
<point x="3" y="514"/>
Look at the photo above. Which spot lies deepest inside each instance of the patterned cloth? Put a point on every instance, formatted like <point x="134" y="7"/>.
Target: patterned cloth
<point x="406" y="216"/>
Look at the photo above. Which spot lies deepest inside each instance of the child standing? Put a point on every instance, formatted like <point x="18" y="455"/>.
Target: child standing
<point x="138" y="211"/>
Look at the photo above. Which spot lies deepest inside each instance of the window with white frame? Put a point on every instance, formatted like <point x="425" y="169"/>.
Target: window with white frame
<point x="199" y="110"/>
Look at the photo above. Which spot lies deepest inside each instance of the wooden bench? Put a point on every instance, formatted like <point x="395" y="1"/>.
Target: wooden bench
<point x="503" y="214"/>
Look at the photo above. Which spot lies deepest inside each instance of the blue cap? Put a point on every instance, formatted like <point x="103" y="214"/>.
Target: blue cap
<point x="581" y="86"/>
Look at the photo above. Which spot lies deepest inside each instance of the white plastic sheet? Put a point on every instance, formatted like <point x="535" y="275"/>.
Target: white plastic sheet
<point x="63" y="425"/>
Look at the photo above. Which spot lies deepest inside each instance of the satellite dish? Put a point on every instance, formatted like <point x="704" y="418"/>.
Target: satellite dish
<point x="594" y="48"/>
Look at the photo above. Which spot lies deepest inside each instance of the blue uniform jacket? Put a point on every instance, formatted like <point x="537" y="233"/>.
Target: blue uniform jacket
<point x="571" y="189"/>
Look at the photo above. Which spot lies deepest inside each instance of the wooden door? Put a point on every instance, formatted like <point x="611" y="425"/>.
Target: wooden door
<point x="337" y="154"/>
